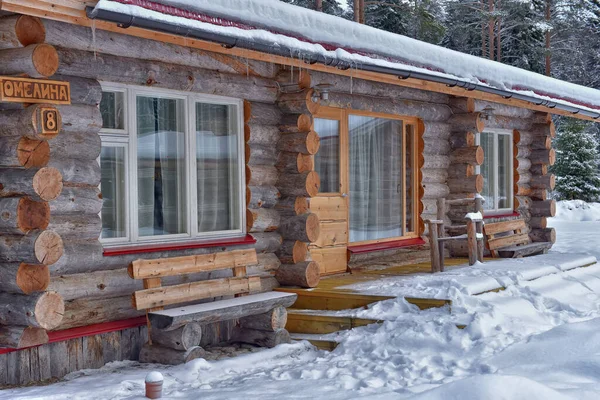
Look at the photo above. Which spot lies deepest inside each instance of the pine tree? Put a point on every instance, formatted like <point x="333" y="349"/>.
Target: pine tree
<point x="576" y="167"/>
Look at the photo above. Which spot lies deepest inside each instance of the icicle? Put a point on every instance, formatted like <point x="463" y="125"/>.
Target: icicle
<point x="94" y="38"/>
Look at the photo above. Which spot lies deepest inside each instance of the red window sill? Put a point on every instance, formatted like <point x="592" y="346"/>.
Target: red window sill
<point x="513" y="214"/>
<point x="395" y="244"/>
<point x="151" y="248"/>
<point x="90" y="330"/>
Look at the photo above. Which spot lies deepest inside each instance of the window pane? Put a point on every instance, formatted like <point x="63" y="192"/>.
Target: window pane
<point x="409" y="179"/>
<point x="327" y="159"/>
<point x="113" y="110"/>
<point x="161" y="166"/>
<point x="217" y="163"/>
<point x="504" y="171"/>
<point x="488" y="171"/>
<point x="375" y="178"/>
<point x="112" y="164"/>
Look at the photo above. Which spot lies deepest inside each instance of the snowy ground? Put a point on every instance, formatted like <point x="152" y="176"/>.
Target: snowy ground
<point x="538" y="339"/>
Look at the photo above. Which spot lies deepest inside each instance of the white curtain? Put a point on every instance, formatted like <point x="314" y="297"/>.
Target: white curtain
<point x="217" y="167"/>
<point x="375" y="178"/>
<point x="327" y="159"/>
<point x="488" y="171"/>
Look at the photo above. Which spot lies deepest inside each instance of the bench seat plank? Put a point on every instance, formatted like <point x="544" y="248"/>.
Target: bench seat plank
<point x="220" y="310"/>
<point x="505" y="226"/>
<point x="524" y="250"/>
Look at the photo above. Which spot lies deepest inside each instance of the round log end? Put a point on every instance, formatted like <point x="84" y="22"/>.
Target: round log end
<point x="311" y="105"/>
<point x="33" y="153"/>
<point x="279" y="318"/>
<point x="248" y="175"/>
<point x="33" y="278"/>
<point x="248" y="196"/>
<point x="45" y="59"/>
<point x="551" y="128"/>
<point x="30" y="30"/>
<point x="300" y="205"/>
<point x="552" y="208"/>
<point x="48" y="183"/>
<point x="247" y="111"/>
<point x="552" y="182"/>
<point x="479" y="123"/>
<point x="48" y="247"/>
<point x="305" y="122"/>
<point x="32" y="215"/>
<point x="305" y="163"/>
<point x="551" y="156"/>
<point x="194" y="353"/>
<point x="304" y="79"/>
<point x="479" y="155"/>
<point x="313" y="274"/>
<point x="191" y="335"/>
<point x="300" y="251"/>
<point x="313" y="142"/>
<point x="49" y="310"/>
<point x="246" y="132"/>
<point x="478" y="183"/>
<point x="33" y="337"/>
<point x="313" y="227"/>
<point x="313" y="183"/>
<point x="247" y="152"/>
<point x="516" y="136"/>
<point x="250" y="217"/>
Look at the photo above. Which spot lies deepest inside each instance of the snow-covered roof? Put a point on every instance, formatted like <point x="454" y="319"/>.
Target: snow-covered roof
<point x="304" y="33"/>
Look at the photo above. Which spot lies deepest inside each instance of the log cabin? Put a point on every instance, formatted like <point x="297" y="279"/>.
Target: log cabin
<point x="141" y="130"/>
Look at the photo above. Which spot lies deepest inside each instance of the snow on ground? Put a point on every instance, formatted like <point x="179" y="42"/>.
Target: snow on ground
<point x="537" y="339"/>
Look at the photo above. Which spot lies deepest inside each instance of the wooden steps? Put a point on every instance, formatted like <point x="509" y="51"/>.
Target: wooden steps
<point x="300" y="321"/>
<point x="316" y="340"/>
<point x="331" y="299"/>
<point x="425" y="304"/>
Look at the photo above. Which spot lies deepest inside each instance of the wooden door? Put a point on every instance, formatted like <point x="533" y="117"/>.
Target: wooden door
<point x="331" y="205"/>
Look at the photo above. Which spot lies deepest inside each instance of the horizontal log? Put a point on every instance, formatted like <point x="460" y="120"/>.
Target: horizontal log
<point x="45" y="183"/>
<point x="521" y="151"/>
<point x="457" y="170"/>
<point x="436" y="130"/>
<point x="470" y="122"/>
<point x="471" y="184"/>
<point x="264" y="196"/>
<point x="305" y="274"/>
<point x="36" y="60"/>
<point x="294" y="123"/>
<point x="43" y="247"/>
<point x="267" y="242"/>
<point x="543" y="129"/>
<point x="77" y="172"/>
<point x="543" y="157"/>
<point x="293" y="251"/>
<point x="84" y="146"/>
<point x="268" y="263"/>
<point x="83" y="312"/>
<point x="21" y="215"/>
<point x="539" y="169"/>
<point x="261" y="113"/>
<point x="435" y="190"/>
<point x="462" y="139"/>
<point x="299" y="185"/>
<point x="522" y="164"/>
<point x="503" y="109"/>
<point x="39" y="310"/>
<point x="163" y="355"/>
<point x="546" y="208"/>
<point x="260" y="154"/>
<point x="433" y="146"/>
<point x="543" y="181"/>
<point x="434" y="175"/>
<point x="76" y="226"/>
<point x="23" y="278"/>
<point x="304" y="227"/>
<point x="83" y="90"/>
<point x="261" y="175"/>
<point x="467" y="155"/>
<point x="144" y="72"/>
<point x="23" y="152"/>
<point x="543" y="235"/>
<point x="80" y="118"/>
<point x="261" y="134"/>
<point x="295" y="163"/>
<point x="533" y="193"/>
<point x="435" y="161"/>
<point x="298" y="102"/>
<point x="507" y="122"/>
<point x="28" y="122"/>
<point x="21" y="30"/>
<point x="542" y="143"/>
<point x="293" y="78"/>
<point x="77" y="200"/>
<point x="538" y="222"/>
<point x="290" y="206"/>
<point x="302" y="142"/>
<point x="182" y="339"/>
<point x="262" y="220"/>
<point x="261" y="338"/>
<point x="20" y="337"/>
<point x="270" y="321"/>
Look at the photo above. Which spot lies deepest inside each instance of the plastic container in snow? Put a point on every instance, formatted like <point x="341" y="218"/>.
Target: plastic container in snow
<point x="154" y="383"/>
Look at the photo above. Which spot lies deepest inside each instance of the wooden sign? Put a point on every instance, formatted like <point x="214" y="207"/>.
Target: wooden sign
<point x="27" y="90"/>
<point x="50" y="121"/>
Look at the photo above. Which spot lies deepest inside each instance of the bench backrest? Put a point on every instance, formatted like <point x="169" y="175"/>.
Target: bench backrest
<point x="154" y="296"/>
<point x="504" y="234"/>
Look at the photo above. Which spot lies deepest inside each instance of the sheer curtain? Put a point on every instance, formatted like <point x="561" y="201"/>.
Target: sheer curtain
<point x="161" y="166"/>
<point x="217" y="167"/>
<point x="327" y="159"/>
<point x="375" y="178"/>
<point x="488" y="171"/>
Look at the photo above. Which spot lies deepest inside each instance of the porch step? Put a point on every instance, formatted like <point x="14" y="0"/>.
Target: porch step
<point x="315" y="340"/>
<point x="331" y="299"/>
<point x="305" y="321"/>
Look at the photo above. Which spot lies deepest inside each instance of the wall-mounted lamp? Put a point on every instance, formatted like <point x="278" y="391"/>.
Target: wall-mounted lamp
<point x="321" y="92"/>
<point x="487" y="112"/>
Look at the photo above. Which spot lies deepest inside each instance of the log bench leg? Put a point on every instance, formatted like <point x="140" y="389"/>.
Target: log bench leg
<point x="261" y="338"/>
<point x="164" y="355"/>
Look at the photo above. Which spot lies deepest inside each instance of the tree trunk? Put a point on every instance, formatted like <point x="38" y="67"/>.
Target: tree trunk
<point x="21" y="30"/>
<point x="295" y="163"/>
<point x="164" y="355"/>
<point x="40" y="310"/>
<point x="305" y="274"/>
<point x="21" y="215"/>
<point x="182" y="339"/>
<point x="44" y="247"/>
<point x="303" y="142"/>
<point x="20" y="337"/>
<point x="267" y="242"/>
<point x="270" y="321"/>
<point x="304" y="227"/>
<point x="28" y="122"/>
<point x="45" y="183"/>
<point x="36" y="60"/>
<point x="262" y="220"/>
<point x="23" y="152"/>
<point x="24" y="278"/>
<point x="299" y="185"/>
<point x="261" y="338"/>
<point x="264" y="196"/>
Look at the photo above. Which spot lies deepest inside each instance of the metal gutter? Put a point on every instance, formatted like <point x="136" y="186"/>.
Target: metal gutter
<point x="126" y="21"/>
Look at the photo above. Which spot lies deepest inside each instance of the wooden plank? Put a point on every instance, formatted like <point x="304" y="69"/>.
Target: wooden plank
<point x="220" y="310"/>
<point x="331" y="260"/>
<point x="331" y="300"/>
<point x="164" y="296"/>
<point x="504" y="241"/>
<point x="111" y="346"/>
<point x="425" y="304"/>
<point x="59" y="359"/>
<point x="505" y="226"/>
<point x="332" y="233"/>
<point x="140" y="269"/>
<point x="525" y="250"/>
<point x="329" y="208"/>
<point x="327" y="345"/>
<point x="299" y="322"/>
<point x="75" y="351"/>
<point x="92" y="351"/>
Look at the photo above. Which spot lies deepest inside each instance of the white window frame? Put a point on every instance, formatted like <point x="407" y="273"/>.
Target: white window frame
<point x="497" y="133"/>
<point x="127" y="138"/>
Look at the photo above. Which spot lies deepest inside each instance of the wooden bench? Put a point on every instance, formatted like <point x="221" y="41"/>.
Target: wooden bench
<point x="509" y="239"/>
<point x="174" y="334"/>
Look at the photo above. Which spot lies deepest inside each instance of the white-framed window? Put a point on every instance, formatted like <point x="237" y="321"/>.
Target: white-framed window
<point x="497" y="171"/>
<point x="172" y="166"/>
